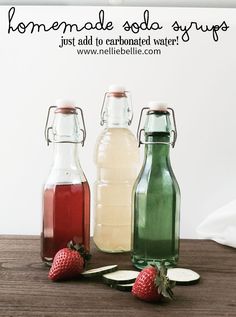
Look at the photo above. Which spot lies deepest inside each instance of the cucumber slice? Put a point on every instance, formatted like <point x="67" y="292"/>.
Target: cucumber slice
<point x="120" y="277"/>
<point x="124" y="287"/>
<point x="100" y="271"/>
<point x="183" y="276"/>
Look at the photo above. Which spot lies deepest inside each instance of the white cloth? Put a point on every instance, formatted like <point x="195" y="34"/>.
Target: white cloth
<point x="220" y="226"/>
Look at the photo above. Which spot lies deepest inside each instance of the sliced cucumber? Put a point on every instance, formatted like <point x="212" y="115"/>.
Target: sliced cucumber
<point x="124" y="287"/>
<point x="120" y="277"/>
<point x="183" y="276"/>
<point x="100" y="271"/>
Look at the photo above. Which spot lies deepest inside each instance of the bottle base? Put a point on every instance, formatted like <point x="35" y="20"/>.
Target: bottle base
<point x="140" y="263"/>
<point x="111" y="250"/>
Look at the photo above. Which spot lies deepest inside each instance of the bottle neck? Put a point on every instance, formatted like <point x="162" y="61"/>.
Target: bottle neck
<point x="157" y="131"/>
<point x="66" y="128"/>
<point x="117" y="112"/>
<point x="66" y="136"/>
<point x="158" y="152"/>
<point x="66" y="156"/>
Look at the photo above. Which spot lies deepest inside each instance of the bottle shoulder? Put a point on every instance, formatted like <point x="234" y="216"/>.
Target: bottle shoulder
<point x="156" y="178"/>
<point x="117" y="147"/>
<point x="115" y="135"/>
<point x="65" y="176"/>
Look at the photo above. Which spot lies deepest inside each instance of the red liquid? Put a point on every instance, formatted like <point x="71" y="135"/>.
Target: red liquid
<point x="66" y="217"/>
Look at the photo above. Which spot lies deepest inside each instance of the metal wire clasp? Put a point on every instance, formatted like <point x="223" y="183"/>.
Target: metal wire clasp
<point x="141" y="131"/>
<point x="126" y="94"/>
<point x="47" y="128"/>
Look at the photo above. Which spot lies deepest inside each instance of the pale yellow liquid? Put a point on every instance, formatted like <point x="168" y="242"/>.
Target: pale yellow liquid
<point x="117" y="160"/>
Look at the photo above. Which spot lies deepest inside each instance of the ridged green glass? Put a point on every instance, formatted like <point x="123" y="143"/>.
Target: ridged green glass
<point x="156" y="199"/>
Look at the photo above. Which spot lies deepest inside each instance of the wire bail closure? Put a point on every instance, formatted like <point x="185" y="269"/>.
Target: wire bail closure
<point x="47" y="128"/>
<point x="140" y="132"/>
<point x="119" y="94"/>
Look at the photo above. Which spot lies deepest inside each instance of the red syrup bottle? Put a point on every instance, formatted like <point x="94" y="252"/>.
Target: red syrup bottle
<point x="66" y="197"/>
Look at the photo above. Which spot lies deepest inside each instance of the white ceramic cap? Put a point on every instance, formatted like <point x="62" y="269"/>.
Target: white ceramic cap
<point x="116" y="89"/>
<point x="156" y="105"/>
<point x="65" y="103"/>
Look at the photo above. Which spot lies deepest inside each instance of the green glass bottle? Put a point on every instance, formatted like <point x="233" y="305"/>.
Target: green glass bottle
<point x="156" y="194"/>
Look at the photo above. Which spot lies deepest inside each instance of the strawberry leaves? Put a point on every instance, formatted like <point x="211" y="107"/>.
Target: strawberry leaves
<point x="162" y="282"/>
<point x="79" y="248"/>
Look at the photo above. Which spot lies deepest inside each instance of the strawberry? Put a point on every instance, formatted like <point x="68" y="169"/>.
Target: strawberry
<point x="68" y="262"/>
<point x="152" y="284"/>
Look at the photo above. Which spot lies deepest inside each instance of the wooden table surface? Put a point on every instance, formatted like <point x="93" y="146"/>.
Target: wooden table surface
<point x="26" y="291"/>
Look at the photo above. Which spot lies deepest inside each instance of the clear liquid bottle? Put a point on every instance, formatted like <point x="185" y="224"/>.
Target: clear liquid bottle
<point x="156" y="195"/>
<point x="66" y="197"/>
<point x="117" y="160"/>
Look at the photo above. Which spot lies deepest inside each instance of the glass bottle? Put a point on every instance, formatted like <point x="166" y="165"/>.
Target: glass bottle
<point x="66" y="197"/>
<point x="117" y="160"/>
<point x="156" y="194"/>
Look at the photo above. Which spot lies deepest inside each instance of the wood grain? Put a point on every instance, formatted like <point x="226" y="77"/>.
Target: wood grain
<point x="26" y="291"/>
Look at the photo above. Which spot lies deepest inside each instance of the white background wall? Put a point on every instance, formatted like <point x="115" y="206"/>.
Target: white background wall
<point x="196" y="78"/>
